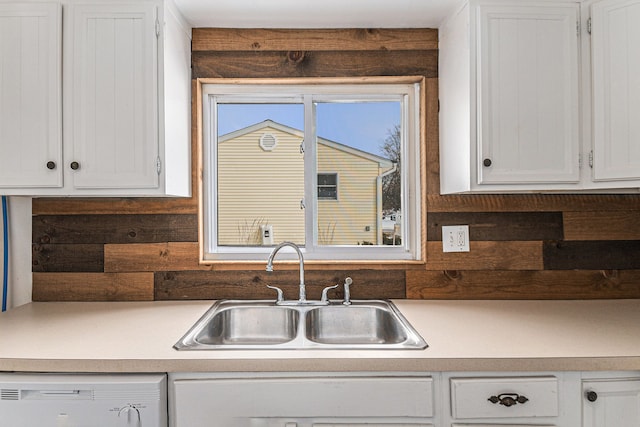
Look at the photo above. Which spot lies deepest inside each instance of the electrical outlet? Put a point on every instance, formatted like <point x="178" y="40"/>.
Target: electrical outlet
<point x="455" y="238"/>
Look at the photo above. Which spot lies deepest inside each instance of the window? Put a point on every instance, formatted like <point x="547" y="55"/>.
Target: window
<point x="327" y="186"/>
<point x="323" y="165"/>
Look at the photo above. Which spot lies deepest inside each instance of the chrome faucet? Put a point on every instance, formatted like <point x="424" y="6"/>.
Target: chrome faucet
<point x="303" y="294"/>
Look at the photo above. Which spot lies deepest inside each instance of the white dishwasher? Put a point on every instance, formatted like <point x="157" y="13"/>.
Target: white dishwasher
<point x="83" y="400"/>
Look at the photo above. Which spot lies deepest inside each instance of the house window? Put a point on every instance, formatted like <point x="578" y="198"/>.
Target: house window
<point x="327" y="186"/>
<point x="365" y="134"/>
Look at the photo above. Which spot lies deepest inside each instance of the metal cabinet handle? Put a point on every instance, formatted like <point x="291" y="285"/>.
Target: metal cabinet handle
<point x="486" y="162"/>
<point x="592" y="396"/>
<point x="508" y="399"/>
<point x="75" y="166"/>
<point x="51" y="165"/>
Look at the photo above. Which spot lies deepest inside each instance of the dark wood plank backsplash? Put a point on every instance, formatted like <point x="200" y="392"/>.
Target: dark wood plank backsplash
<point x="522" y="246"/>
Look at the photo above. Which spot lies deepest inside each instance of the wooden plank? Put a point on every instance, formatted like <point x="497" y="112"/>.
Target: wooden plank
<point x="252" y="284"/>
<point x="580" y="284"/>
<point x="592" y="255"/>
<point x="170" y="256"/>
<point x="88" y="206"/>
<point x="431" y="139"/>
<point x="605" y="225"/>
<point x="487" y="256"/>
<point x="67" y="229"/>
<point x="532" y="202"/>
<point x="308" y="64"/>
<point x="491" y="226"/>
<point x="229" y="39"/>
<point x="93" y="286"/>
<point x="69" y="258"/>
<point x="184" y="256"/>
<point x="274" y="81"/>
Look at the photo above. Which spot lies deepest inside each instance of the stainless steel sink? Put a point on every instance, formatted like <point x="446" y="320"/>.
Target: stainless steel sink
<point x="240" y="324"/>
<point x="249" y="324"/>
<point x="237" y="324"/>
<point x="354" y="324"/>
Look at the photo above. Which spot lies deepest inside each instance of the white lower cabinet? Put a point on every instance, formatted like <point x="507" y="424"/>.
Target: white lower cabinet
<point x="399" y="399"/>
<point x="365" y="423"/>
<point x="504" y="397"/>
<point x="301" y="400"/>
<point x="498" y="425"/>
<point x="511" y="399"/>
<point x="611" y="401"/>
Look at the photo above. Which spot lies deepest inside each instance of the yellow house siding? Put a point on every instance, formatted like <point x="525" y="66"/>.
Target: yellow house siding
<point x="356" y="207"/>
<point x="260" y="187"/>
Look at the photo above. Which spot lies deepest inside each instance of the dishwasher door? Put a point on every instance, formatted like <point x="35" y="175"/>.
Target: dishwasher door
<point x="81" y="400"/>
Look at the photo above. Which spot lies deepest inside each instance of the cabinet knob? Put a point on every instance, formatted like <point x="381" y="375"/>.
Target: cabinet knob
<point x="486" y="162"/>
<point x="592" y="396"/>
<point x="51" y="165"/>
<point x="75" y="166"/>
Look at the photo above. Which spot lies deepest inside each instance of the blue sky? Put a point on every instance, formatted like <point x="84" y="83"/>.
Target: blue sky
<point x="360" y="125"/>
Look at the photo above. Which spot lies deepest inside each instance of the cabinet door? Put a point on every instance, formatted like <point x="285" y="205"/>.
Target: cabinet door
<point x="615" y="40"/>
<point x="500" y="425"/>
<point x="236" y="401"/>
<point x="115" y="96"/>
<point x="611" y="403"/>
<point x="527" y="71"/>
<point x="30" y="101"/>
<point x="355" y="423"/>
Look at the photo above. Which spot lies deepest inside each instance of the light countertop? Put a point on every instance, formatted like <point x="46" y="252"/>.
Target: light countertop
<point x="462" y="336"/>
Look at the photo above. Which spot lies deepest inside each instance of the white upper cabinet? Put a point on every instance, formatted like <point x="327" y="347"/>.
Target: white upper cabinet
<point x="115" y="93"/>
<point x="509" y="97"/>
<point x="126" y="103"/>
<point x="31" y="99"/>
<point x="615" y="47"/>
<point x="527" y="85"/>
<point x="531" y="102"/>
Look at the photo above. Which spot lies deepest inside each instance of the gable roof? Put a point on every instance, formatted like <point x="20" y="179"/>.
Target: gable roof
<point x="384" y="162"/>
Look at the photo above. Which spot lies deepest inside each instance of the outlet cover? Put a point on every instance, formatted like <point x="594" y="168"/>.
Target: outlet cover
<point x="455" y="238"/>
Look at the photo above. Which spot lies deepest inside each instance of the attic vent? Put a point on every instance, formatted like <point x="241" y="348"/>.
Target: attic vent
<point x="268" y="142"/>
<point x="9" y="394"/>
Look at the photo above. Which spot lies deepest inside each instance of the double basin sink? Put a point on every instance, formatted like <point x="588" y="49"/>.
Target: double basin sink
<point x="256" y="325"/>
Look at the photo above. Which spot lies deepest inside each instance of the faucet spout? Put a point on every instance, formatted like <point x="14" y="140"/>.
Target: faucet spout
<point x="269" y="268"/>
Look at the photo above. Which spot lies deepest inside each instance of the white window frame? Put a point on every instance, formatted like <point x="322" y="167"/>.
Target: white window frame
<point x="324" y="90"/>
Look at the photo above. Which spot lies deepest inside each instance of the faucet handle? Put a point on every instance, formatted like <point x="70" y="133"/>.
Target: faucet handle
<point x="325" y="298"/>
<point x="280" y="295"/>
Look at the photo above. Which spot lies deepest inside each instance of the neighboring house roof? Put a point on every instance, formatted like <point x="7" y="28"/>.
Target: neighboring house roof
<point x="287" y="129"/>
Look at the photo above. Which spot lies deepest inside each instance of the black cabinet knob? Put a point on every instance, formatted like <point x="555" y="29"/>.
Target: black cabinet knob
<point x="592" y="396"/>
<point x="75" y="166"/>
<point x="486" y="162"/>
<point x="51" y="165"/>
